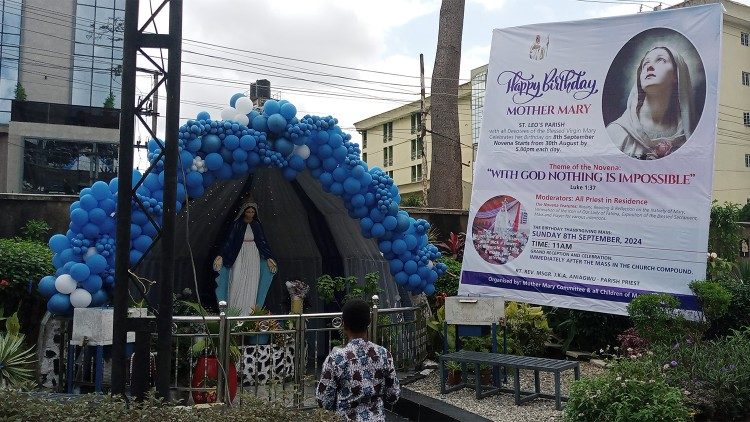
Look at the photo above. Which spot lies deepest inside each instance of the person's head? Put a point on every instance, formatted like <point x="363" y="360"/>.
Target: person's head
<point x="249" y="213"/>
<point x="657" y="75"/>
<point x="355" y="317"/>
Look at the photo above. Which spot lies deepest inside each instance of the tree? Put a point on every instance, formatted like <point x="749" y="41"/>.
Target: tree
<point x="446" y="186"/>
<point x="110" y="101"/>
<point x="20" y="92"/>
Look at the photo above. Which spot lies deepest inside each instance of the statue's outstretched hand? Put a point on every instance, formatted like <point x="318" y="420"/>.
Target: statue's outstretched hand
<point x="218" y="262"/>
<point x="272" y="266"/>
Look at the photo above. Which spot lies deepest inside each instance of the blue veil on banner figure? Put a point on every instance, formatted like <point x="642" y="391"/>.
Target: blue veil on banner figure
<point x="246" y="265"/>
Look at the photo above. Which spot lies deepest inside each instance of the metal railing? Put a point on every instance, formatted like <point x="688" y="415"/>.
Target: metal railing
<point x="277" y="357"/>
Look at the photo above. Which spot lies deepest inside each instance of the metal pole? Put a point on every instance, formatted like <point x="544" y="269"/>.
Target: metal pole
<point x="155" y="107"/>
<point x="124" y="208"/>
<point x="164" y="319"/>
<point x="222" y="355"/>
<point x="374" y="319"/>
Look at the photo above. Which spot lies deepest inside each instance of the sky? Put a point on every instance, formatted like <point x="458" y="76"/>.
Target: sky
<point x="227" y="44"/>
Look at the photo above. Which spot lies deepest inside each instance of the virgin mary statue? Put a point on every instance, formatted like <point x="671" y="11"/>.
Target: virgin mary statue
<point x="245" y="265"/>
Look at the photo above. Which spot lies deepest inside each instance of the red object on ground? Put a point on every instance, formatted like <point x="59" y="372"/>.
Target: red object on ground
<point x="205" y="375"/>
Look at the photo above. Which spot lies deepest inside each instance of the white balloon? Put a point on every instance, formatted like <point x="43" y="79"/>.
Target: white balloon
<point x="241" y="119"/>
<point x="90" y="251"/>
<point x="303" y="151"/>
<point x="80" y="298"/>
<point x="65" y="284"/>
<point x="430" y="264"/>
<point x="228" y="113"/>
<point x="243" y="105"/>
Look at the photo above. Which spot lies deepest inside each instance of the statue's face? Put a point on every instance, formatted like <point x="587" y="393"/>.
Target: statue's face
<point x="249" y="213"/>
<point x="657" y="69"/>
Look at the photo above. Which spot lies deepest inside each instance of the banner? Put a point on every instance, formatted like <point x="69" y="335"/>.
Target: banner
<point x="592" y="182"/>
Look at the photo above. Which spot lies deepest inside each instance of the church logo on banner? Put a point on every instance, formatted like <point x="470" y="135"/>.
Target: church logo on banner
<point x="594" y="166"/>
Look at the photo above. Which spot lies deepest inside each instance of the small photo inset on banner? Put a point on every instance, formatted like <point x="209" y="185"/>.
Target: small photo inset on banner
<point x="500" y="229"/>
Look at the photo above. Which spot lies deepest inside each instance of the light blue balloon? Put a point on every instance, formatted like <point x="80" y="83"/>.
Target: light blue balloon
<point x="46" y="286"/>
<point x="271" y="107"/>
<point x="58" y="243"/>
<point x="80" y="272"/>
<point x="288" y="110"/>
<point x="235" y="97"/>
<point x="214" y="161"/>
<point x="59" y="304"/>
<point x="203" y="115"/>
<point x="210" y="143"/>
<point x="276" y="123"/>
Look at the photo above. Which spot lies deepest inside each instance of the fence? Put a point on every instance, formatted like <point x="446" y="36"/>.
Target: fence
<point x="276" y="357"/>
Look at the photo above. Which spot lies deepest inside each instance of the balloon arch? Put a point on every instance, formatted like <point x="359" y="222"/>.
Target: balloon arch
<point x="211" y="150"/>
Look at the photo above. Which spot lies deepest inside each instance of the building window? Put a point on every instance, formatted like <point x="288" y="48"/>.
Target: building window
<point x="416" y="149"/>
<point x="746" y="78"/>
<point x="478" y="86"/>
<point x="97" y="59"/>
<point x="388" y="132"/>
<point x="747" y="160"/>
<point x="390" y="173"/>
<point x="744" y="38"/>
<point x="10" y="34"/>
<point x="364" y="139"/>
<point x="364" y="157"/>
<point x="416" y="173"/>
<point x="746" y="118"/>
<point x="416" y="122"/>
<point x="55" y="166"/>
<point x="388" y="156"/>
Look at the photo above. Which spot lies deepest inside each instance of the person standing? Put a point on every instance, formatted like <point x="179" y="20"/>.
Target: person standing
<point x="358" y="379"/>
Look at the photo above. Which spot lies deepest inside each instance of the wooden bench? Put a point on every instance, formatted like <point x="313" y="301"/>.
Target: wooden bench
<point x="515" y="363"/>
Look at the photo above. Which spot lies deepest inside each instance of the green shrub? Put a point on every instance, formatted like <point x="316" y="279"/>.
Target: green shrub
<point x="627" y="392"/>
<point x="448" y="282"/>
<point x="713" y="297"/>
<point x="584" y="330"/>
<point x="528" y="329"/>
<point x="36" y="230"/>
<point x="22" y="264"/>
<point x="724" y="234"/>
<point x="20" y="406"/>
<point x="738" y="316"/>
<point x="715" y="374"/>
<point x="745" y="213"/>
<point x="656" y="318"/>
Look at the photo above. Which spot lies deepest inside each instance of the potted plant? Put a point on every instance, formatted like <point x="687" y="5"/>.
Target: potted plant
<point x="454" y="372"/>
<point x="260" y="329"/>
<point x="15" y="360"/>
<point x="206" y="369"/>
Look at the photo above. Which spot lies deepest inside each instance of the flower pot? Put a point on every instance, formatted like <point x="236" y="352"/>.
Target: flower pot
<point x="205" y="375"/>
<point x="454" y="377"/>
<point x="485" y="377"/>
<point x="297" y="303"/>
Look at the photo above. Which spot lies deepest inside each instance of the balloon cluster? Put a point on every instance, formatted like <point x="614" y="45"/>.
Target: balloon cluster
<point x="210" y="150"/>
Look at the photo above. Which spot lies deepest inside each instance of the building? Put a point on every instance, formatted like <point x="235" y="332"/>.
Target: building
<point x="393" y="129"/>
<point x="390" y="141"/>
<point x="67" y="57"/>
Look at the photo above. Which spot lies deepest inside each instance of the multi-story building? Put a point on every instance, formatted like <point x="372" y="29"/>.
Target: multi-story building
<point x="392" y="129"/>
<point x="66" y="55"/>
<point x="391" y="141"/>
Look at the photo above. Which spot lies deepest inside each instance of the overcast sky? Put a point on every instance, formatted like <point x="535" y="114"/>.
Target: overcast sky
<point x="222" y="39"/>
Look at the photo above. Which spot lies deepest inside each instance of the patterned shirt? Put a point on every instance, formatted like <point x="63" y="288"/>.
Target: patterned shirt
<point x="356" y="381"/>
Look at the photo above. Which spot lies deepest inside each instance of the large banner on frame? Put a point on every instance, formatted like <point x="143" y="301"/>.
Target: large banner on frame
<point x="592" y="182"/>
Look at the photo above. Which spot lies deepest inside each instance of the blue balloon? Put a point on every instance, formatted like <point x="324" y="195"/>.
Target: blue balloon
<point x="248" y="142"/>
<point x="59" y="304"/>
<point x="97" y="216"/>
<point x="335" y="140"/>
<point x="194" y="178"/>
<point x="99" y="298"/>
<point x="385" y="246"/>
<point x="57" y="261"/>
<point x="340" y="174"/>
<point x="352" y="186"/>
<point x="399" y="246"/>
<point x="186" y="159"/>
<point x="271" y="107"/>
<point x="378" y="230"/>
<point x="283" y="145"/>
<point x="58" y="243"/>
<point x="142" y="243"/>
<point x="193" y="145"/>
<point x="276" y="123"/>
<point x="180" y="192"/>
<point x="152" y="182"/>
<point x="239" y="154"/>
<point x="414" y="281"/>
<point x="410" y="267"/>
<point x="376" y="215"/>
<point x="92" y="284"/>
<point x="402" y="221"/>
<point x="395" y="265"/>
<point x="195" y="191"/>
<point x="340" y="153"/>
<point x="411" y="241"/>
<point x="149" y="230"/>
<point x="429" y="289"/>
<point x="231" y="142"/>
<point x="289" y="174"/>
<point x="337" y="188"/>
<point x="203" y="115"/>
<point x="135" y="256"/>
<point x="96" y="263"/>
<point x="135" y="231"/>
<point x="288" y="110"/>
<point x="66" y="256"/>
<point x="100" y="190"/>
<point x="225" y="172"/>
<point x="297" y="163"/>
<point x="91" y="231"/>
<point x="46" y="286"/>
<point x="366" y="224"/>
<point x="80" y="272"/>
<point x="260" y="123"/>
<point x="208" y="179"/>
<point x="390" y="223"/>
<point x="214" y="161"/>
<point x="233" y="100"/>
<point x="358" y="171"/>
<point x="210" y="143"/>
<point x="358" y="200"/>
<point x="401" y="278"/>
<point x="88" y="202"/>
